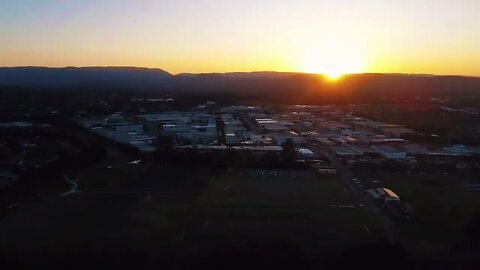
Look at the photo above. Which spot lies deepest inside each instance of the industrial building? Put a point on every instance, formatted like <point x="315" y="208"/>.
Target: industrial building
<point x="120" y="129"/>
<point x="346" y="152"/>
<point x="390" y="152"/>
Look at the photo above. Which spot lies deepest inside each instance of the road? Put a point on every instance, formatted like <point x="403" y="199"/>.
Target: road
<point x="347" y="177"/>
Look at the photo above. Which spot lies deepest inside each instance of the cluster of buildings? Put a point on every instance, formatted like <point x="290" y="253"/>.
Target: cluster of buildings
<point x="264" y="129"/>
<point x="186" y="127"/>
<point x="140" y="131"/>
<point x="383" y="194"/>
<point x="467" y="110"/>
<point x="261" y="130"/>
<point x="250" y="128"/>
<point x="391" y="201"/>
<point x="326" y="126"/>
<point x="359" y="139"/>
<point x="348" y="136"/>
<point x="121" y="129"/>
<point x="404" y="151"/>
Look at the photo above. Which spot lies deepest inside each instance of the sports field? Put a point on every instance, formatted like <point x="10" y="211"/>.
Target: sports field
<point x="312" y="214"/>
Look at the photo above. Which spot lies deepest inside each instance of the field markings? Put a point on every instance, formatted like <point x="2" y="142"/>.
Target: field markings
<point x="74" y="188"/>
<point x="366" y="228"/>
<point x="342" y="205"/>
<point x="14" y="205"/>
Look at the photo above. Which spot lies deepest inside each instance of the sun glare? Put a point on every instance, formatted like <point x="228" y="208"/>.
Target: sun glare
<point x="332" y="61"/>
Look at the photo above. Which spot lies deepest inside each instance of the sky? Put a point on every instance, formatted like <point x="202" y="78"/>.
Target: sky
<point x="331" y="37"/>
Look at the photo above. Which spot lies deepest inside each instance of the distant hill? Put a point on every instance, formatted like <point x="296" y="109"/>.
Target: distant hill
<point x="254" y="74"/>
<point x="275" y="86"/>
<point x="89" y="77"/>
<point x="304" y="88"/>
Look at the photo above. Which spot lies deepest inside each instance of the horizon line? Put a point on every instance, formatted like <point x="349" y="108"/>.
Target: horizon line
<point x="251" y="71"/>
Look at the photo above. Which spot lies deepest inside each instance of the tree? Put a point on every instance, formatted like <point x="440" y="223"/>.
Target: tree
<point x="269" y="159"/>
<point x="473" y="231"/>
<point x="164" y="144"/>
<point x="289" y="153"/>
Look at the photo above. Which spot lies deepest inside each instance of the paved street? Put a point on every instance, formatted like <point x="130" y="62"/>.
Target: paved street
<point x="347" y="177"/>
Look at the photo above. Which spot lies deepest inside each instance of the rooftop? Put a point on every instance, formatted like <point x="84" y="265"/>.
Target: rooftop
<point x="386" y="149"/>
<point x="343" y="150"/>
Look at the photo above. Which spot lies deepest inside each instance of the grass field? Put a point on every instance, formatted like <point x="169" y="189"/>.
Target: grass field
<point x="442" y="211"/>
<point x="146" y="176"/>
<point x="313" y="213"/>
<point x="236" y="209"/>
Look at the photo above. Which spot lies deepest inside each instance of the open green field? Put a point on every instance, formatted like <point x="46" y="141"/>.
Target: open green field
<point x="314" y="215"/>
<point x="442" y="211"/>
<point x="148" y="175"/>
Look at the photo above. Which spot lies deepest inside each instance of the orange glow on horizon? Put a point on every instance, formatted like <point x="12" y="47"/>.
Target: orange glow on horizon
<point x="321" y="37"/>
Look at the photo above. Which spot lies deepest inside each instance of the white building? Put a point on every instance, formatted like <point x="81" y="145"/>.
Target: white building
<point x="390" y="152"/>
<point x="305" y="153"/>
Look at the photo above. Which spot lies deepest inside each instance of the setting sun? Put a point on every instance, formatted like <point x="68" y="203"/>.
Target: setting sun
<point x="332" y="59"/>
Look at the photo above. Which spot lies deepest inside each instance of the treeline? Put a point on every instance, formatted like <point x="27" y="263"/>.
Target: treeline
<point x="282" y="88"/>
<point x="229" y="158"/>
<point x="50" y="176"/>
